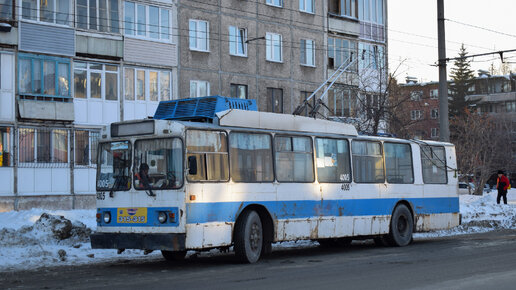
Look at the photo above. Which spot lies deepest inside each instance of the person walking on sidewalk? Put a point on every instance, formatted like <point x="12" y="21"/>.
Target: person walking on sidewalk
<point x="502" y="183"/>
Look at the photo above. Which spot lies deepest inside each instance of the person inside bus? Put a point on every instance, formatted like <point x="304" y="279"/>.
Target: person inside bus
<point x="502" y="184"/>
<point x="142" y="177"/>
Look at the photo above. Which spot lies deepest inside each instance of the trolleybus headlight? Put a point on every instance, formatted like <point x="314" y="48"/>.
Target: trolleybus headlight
<point x="162" y="217"/>
<point x="107" y="217"/>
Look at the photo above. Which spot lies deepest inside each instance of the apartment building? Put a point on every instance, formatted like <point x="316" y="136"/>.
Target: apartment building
<point x="69" y="67"/>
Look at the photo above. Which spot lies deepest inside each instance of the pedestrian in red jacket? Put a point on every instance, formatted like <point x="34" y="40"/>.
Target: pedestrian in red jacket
<point x="502" y="183"/>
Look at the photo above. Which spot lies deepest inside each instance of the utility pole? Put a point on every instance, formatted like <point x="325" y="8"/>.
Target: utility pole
<point x="444" y="125"/>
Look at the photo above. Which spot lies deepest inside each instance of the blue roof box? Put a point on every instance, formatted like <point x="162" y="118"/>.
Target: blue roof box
<point x="200" y="109"/>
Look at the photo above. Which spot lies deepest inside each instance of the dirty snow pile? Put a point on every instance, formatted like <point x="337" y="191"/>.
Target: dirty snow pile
<point x="38" y="238"/>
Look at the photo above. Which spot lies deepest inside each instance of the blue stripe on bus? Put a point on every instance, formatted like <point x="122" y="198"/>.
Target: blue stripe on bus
<point x="228" y="211"/>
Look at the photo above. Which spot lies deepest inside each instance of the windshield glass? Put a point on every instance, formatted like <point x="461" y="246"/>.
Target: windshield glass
<point x="158" y="164"/>
<point x="113" y="166"/>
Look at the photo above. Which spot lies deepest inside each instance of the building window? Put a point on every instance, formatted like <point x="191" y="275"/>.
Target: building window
<point x="371" y="56"/>
<point x="371" y="11"/>
<point x="434" y="94"/>
<point x="6" y="10"/>
<point x="343" y="7"/>
<point x="306" y="6"/>
<point x="101" y="15"/>
<point x="51" y="11"/>
<point x="277" y="3"/>
<point x="43" y="146"/>
<point x="199" y="89"/>
<point x="146" y="21"/>
<point x="157" y="82"/>
<point x="238" y="91"/>
<point x="416" y="95"/>
<point x="86" y="147"/>
<point x="342" y="102"/>
<point x="199" y="31"/>
<point x="416" y="115"/>
<point x="274" y="100"/>
<point x="341" y="51"/>
<point x="273" y="47"/>
<point x="307" y="52"/>
<point x="434" y="114"/>
<point x="43" y="76"/>
<point x="237" y="41"/>
<point x="5" y="147"/>
<point x="510" y="106"/>
<point x="434" y="132"/>
<point x="96" y="81"/>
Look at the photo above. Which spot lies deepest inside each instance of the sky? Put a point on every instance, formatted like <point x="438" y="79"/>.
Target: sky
<point x="27" y="244"/>
<point x="412" y="35"/>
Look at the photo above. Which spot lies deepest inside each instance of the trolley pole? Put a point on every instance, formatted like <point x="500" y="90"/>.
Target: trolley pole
<point x="444" y="125"/>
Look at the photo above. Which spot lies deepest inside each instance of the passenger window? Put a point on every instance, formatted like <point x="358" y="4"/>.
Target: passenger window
<point x="209" y="150"/>
<point x="434" y="164"/>
<point x="332" y="158"/>
<point x="294" y="160"/>
<point x="398" y="163"/>
<point x="367" y="162"/>
<point x="251" y="157"/>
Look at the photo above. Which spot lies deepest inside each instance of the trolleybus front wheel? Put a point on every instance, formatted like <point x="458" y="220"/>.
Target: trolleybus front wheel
<point x="248" y="237"/>
<point x="402" y="224"/>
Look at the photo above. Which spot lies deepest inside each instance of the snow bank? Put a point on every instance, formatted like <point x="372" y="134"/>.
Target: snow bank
<point x="28" y="240"/>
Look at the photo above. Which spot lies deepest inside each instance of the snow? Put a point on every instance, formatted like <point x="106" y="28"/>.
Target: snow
<point x="26" y="243"/>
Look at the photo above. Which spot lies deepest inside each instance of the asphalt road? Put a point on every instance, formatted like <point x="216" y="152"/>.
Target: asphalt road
<point x="480" y="261"/>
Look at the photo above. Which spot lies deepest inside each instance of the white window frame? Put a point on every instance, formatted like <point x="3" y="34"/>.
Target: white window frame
<point x="309" y="55"/>
<point x="303" y="6"/>
<point x="416" y="115"/>
<point x="198" y="40"/>
<point x="434" y="114"/>
<point x="98" y="17"/>
<point x="37" y="132"/>
<point x="37" y="12"/>
<point x="416" y="95"/>
<point x="197" y="92"/>
<point x="434" y="94"/>
<point x="271" y="40"/>
<point x="147" y="84"/>
<point x="147" y="24"/>
<point x="275" y="3"/>
<point x="237" y="38"/>
<point x="434" y="132"/>
<point x="102" y="72"/>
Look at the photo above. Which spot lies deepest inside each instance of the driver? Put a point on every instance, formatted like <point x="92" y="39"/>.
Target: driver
<point x="143" y="177"/>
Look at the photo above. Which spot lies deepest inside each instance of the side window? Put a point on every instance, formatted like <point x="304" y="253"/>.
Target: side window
<point x="294" y="161"/>
<point x="332" y="157"/>
<point x="367" y="162"/>
<point x="251" y="157"/>
<point x="398" y="163"/>
<point x="209" y="150"/>
<point x="434" y="164"/>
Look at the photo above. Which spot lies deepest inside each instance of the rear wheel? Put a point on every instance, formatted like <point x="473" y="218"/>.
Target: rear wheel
<point x="173" y="255"/>
<point x="249" y="237"/>
<point x="402" y="224"/>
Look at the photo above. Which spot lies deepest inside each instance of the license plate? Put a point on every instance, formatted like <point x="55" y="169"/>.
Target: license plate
<point x="132" y="215"/>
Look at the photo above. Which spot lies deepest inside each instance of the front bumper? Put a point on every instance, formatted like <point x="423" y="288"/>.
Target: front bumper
<point x="168" y="242"/>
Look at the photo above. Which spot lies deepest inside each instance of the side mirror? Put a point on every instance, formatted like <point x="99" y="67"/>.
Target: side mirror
<point x="192" y="165"/>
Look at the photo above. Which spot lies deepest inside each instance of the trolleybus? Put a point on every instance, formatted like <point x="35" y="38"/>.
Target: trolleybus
<point x="216" y="173"/>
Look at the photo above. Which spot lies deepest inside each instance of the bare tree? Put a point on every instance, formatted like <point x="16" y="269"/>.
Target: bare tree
<point x="480" y="145"/>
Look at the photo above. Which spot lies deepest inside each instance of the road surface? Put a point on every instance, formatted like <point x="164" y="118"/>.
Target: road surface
<point x="479" y="261"/>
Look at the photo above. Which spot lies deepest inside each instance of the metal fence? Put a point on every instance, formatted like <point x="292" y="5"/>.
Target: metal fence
<point x="55" y="147"/>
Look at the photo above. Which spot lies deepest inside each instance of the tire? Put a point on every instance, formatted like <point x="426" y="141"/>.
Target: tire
<point x="402" y="225"/>
<point x="173" y="255"/>
<point x="249" y="237"/>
